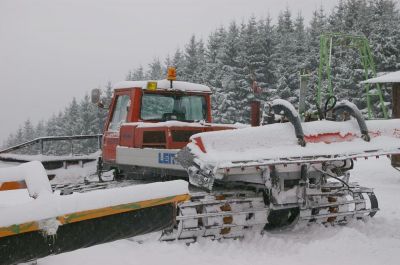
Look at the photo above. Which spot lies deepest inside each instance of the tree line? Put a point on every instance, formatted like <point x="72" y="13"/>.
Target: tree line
<point x="235" y="56"/>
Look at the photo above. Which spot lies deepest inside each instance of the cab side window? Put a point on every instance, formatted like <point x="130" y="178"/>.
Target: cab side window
<point x="120" y="112"/>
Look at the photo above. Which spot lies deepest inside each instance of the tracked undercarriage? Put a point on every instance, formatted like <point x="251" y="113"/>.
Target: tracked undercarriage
<point x="281" y="203"/>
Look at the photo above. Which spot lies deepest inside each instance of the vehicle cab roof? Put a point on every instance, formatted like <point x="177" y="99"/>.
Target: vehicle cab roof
<point x="165" y="86"/>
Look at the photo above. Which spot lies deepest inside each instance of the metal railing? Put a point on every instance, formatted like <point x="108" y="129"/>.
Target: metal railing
<point x="41" y="140"/>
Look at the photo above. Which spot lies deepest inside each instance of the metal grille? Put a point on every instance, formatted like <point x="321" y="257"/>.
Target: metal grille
<point x="154" y="137"/>
<point x="182" y="136"/>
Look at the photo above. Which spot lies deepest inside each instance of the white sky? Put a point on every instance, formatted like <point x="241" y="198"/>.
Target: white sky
<point x="53" y="50"/>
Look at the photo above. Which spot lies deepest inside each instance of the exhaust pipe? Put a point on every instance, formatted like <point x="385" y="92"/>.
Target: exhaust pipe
<point x="255" y="113"/>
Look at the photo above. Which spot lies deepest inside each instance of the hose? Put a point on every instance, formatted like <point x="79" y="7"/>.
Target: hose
<point x="322" y="114"/>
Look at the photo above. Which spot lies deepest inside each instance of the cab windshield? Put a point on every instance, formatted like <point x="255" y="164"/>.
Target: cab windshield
<point x="163" y="107"/>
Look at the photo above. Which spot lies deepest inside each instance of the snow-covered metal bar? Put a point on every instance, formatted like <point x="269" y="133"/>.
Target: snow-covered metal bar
<point x="352" y="110"/>
<point x="281" y="106"/>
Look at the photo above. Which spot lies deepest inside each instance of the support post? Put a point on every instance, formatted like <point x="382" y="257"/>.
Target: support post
<point x="255" y="113"/>
<point x="396" y="115"/>
<point x="72" y="147"/>
<point x="41" y="146"/>
<point x="99" y="142"/>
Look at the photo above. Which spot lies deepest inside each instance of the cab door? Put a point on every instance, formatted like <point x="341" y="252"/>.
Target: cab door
<point x="119" y="114"/>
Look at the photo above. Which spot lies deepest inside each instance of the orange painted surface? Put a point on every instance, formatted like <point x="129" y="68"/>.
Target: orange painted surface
<point x="15" y="185"/>
<point x="200" y="144"/>
<point x="95" y="213"/>
<point x="337" y="137"/>
<point x="329" y="138"/>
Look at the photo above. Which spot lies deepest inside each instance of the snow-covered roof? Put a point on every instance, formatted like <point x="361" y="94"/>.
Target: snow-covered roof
<point x="393" y="77"/>
<point x="165" y="84"/>
<point x="183" y="124"/>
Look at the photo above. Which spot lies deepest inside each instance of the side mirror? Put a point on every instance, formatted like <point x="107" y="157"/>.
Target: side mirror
<point x="95" y="96"/>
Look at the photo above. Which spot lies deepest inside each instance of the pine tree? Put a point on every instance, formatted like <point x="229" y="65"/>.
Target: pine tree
<point x="385" y="35"/>
<point x="28" y="131"/>
<point x="254" y="56"/>
<point x="267" y="37"/>
<point x="11" y="141"/>
<point x="71" y="119"/>
<point x="89" y="121"/>
<point x="287" y="70"/>
<point x="155" y="71"/>
<point x="40" y="129"/>
<point x="19" y="136"/>
<point x="318" y="26"/>
<point x="179" y="62"/>
<point x="201" y="74"/>
<point x="191" y="65"/>
<point x="103" y="113"/>
<point x="136" y="75"/>
<point x="231" y="68"/>
<point x="213" y="59"/>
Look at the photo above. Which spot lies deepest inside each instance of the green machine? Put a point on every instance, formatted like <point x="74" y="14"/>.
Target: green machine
<point x="327" y="42"/>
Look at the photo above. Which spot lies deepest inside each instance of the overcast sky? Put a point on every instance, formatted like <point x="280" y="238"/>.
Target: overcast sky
<point x="53" y="50"/>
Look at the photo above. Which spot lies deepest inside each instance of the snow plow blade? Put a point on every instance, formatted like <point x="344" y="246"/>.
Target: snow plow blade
<point x="47" y="223"/>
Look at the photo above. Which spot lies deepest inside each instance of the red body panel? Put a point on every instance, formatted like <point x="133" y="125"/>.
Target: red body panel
<point x="110" y="142"/>
<point x="171" y="137"/>
<point x="111" y="138"/>
<point x="328" y="138"/>
<point x="132" y="135"/>
<point x="127" y="135"/>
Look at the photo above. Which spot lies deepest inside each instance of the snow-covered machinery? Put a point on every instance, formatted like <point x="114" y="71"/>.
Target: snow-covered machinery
<point x="37" y="222"/>
<point x="242" y="178"/>
<point x="299" y="170"/>
<point x="267" y="177"/>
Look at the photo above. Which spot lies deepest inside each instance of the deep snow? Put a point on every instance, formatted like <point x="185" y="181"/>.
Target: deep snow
<point x="374" y="242"/>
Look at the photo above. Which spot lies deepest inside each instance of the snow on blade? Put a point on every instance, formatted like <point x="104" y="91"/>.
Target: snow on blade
<point x="34" y="175"/>
<point x="49" y="205"/>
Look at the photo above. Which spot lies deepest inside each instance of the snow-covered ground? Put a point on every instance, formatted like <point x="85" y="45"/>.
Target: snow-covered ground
<point x="374" y="242"/>
<point x="74" y="173"/>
